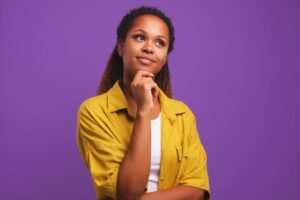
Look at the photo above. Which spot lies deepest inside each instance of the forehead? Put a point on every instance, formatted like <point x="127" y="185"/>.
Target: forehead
<point x="153" y="25"/>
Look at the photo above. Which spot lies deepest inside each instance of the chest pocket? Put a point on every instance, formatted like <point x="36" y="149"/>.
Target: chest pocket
<point x="180" y="154"/>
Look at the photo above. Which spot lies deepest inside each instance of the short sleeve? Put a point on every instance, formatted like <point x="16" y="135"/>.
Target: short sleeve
<point x="195" y="171"/>
<point x="100" y="152"/>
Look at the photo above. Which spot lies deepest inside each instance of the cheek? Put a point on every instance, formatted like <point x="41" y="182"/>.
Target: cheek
<point x="127" y="57"/>
<point x="163" y="57"/>
<point x="130" y="53"/>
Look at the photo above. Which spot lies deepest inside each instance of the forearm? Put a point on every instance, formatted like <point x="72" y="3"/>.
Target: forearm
<point x="134" y="170"/>
<point x="180" y="192"/>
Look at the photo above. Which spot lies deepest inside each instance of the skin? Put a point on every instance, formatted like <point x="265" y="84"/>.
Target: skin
<point x="148" y="37"/>
<point x="143" y="40"/>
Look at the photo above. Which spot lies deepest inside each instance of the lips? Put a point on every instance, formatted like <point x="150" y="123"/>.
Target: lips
<point x="145" y="60"/>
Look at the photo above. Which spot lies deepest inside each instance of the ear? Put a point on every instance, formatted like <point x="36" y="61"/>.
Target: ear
<point x="120" y="47"/>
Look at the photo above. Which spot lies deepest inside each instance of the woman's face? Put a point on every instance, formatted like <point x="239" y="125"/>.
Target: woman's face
<point x="146" y="46"/>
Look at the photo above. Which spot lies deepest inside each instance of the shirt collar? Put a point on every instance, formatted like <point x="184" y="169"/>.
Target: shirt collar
<point x="116" y="101"/>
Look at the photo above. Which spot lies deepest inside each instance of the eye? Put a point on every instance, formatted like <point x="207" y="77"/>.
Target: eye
<point x="160" y="43"/>
<point x="139" y="37"/>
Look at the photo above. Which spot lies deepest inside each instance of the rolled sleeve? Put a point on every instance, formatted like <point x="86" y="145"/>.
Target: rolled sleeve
<point x="101" y="154"/>
<point x="195" y="171"/>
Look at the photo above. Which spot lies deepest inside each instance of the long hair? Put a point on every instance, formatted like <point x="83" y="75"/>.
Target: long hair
<point x="114" y="67"/>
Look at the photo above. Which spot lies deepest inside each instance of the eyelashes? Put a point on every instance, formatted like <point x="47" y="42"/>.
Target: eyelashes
<point x="141" y="37"/>
<point x="162" y="43"/>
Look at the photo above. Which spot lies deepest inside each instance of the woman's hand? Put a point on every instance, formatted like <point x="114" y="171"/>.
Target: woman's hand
<point x="144" y="90"/>
<point x="134" y="170"/>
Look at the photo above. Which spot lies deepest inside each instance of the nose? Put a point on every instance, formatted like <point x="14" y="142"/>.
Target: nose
<point x="147" y="48"/>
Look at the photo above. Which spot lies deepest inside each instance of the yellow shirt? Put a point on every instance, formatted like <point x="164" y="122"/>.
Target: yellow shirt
<point x="104" y="130"/>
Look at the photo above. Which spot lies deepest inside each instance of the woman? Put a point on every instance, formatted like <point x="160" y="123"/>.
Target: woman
<point x="138" y="142"/>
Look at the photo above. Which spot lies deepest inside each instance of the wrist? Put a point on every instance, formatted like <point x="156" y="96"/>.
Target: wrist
<point x="143" y="113"/>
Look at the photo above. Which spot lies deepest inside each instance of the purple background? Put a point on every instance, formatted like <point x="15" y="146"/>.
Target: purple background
<point x="236" y="64"/>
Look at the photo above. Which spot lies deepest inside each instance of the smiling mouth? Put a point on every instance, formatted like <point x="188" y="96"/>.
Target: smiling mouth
<point x="144" y="61"/>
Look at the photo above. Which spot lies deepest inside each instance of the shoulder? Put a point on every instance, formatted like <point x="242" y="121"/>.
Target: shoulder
<point x="93" y="104"/>
<point x="181" y="108"/>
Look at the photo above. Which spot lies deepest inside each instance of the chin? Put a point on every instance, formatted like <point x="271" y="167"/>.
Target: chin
<point x="149" y="68"/>
<point x="144" y="68"/>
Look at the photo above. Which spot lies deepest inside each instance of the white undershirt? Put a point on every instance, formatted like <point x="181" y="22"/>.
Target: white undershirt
<point x="155" y="154"/>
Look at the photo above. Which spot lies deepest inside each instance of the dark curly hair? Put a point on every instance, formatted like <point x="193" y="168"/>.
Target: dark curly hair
<point x="114" y="67"/>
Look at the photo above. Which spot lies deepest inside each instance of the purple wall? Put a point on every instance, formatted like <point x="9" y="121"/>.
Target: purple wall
<point x="235" y="64"/>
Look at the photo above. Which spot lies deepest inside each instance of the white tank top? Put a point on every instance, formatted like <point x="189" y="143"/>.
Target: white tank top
<point x="155" y="154"/>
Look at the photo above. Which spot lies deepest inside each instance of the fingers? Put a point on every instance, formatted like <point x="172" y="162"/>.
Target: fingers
<point x="143" y="77"/>
<point x="146" y="83"/>
<point x="144" y="88"/>
<point x="142" y="73"/>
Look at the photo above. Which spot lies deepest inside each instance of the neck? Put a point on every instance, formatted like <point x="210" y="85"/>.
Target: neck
<point x="125" y="86"/>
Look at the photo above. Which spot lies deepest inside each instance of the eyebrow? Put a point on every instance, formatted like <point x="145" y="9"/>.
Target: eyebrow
<point x="160" y="36"/>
